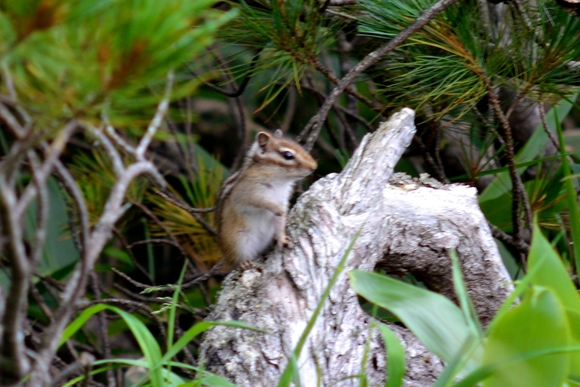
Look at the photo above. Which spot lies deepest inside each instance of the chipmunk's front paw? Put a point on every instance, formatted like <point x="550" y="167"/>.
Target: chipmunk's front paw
<point x="246" y="265"/>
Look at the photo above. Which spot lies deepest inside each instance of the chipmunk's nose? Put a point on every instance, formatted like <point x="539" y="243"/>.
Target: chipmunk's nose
<point x="312" y="165"/>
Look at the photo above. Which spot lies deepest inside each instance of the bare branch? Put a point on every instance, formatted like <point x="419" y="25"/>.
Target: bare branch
<point x="520" y="196"/>
<point x="157" y="120"/>
<point x="119" y="140"/>
<point x="85" y="360"/>
<point x="75" y="287"/>
<point x="11" y="122"/>
<point x="14" y="363"/>
<point x="116" y="160"/>
<point x="43" y="207"/>
<point x="350" y="90"/>
<point x="73" y="190"/>
<point x="131" y="280"/>
<point x="508" y="239"/>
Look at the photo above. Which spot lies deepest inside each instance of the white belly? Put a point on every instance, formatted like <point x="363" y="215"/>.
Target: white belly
<point x="258" y="233"/>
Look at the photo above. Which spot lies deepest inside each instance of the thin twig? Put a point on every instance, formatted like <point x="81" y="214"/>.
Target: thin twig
<point x="40" y="301"/>
<point x="508" y="239"/>
<point x="193" y="211"/>
<point x="11" y="122"/>
<point x="339" y="107"/>
<point x="14" y="364"/>
<point x="158" y="221"/>
<point x="43" y="204"/>
<point x="153" y="240"/>
<point x="116" y="160"/>
<point x="376" y="106"/>
<point x="238" y="91"/>
<point x="131" y="280"/>
<point x="547" y="128"/>
<point x="123" y="241"/>
<point x="290" y="109"/>
<point x="69" y="183"/>
<point x="312" y="129"/>
<point x="338" y="3"/>
<point x="236" y="106"/>
<point x="437" y="168"/>
<point x="204" y="276"/>
<point x="110" y="130"/>
<point x="137" y="296"/>
<point x="520" y="196"/>
<point x="85" y="360"/>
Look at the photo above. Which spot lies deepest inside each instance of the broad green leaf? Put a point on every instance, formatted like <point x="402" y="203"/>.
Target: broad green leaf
<point x="395" y="357"/>
<point x="435" y="320"/>
<point x="539" y="323"/>
<point x="499" y="211"/>
<point x="549" y="272"/>
<point x="572" y="200"/>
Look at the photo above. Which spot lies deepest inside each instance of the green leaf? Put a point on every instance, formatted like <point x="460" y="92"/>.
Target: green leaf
<point x="395" y="357"/>
<point x="464" y="300"/>
<point x="539" y="323"/>
<point x="435" y="320"/>
<point x="549" y="272"/>
<point x="572" y="199"/>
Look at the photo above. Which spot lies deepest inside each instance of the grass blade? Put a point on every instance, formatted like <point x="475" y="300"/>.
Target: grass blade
<point x="572" y="199"/>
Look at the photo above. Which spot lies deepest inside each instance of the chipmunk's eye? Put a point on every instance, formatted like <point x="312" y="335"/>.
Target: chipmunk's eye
<point x="287" y="155"/>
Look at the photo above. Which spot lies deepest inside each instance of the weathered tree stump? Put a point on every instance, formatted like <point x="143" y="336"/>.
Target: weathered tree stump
<point x="407" y="225"/>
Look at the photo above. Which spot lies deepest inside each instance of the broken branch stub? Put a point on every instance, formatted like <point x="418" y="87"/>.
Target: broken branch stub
<point x="407" y="225"/>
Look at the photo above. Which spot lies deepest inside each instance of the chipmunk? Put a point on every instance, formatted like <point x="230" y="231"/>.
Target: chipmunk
<point x="253" y="202"/>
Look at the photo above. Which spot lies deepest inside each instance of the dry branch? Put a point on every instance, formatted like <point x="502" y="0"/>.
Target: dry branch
<point x="407" y="225"/>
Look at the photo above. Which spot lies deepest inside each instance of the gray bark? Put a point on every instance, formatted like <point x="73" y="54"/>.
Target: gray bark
<point x="407" y="225"/>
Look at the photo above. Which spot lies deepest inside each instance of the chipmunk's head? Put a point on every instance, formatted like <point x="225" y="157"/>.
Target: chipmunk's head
<point x="283" y="154"/>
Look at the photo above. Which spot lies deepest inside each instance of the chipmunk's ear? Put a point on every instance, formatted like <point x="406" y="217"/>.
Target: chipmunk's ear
<point x="263" y="138"/>
<point x="278" y="133"/>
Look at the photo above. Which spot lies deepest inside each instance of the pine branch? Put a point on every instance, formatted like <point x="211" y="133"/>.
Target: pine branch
<point x="312" y="129"/>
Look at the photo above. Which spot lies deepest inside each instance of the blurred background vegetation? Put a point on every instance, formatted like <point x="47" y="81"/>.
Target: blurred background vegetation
<point x="495" y="88"/>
